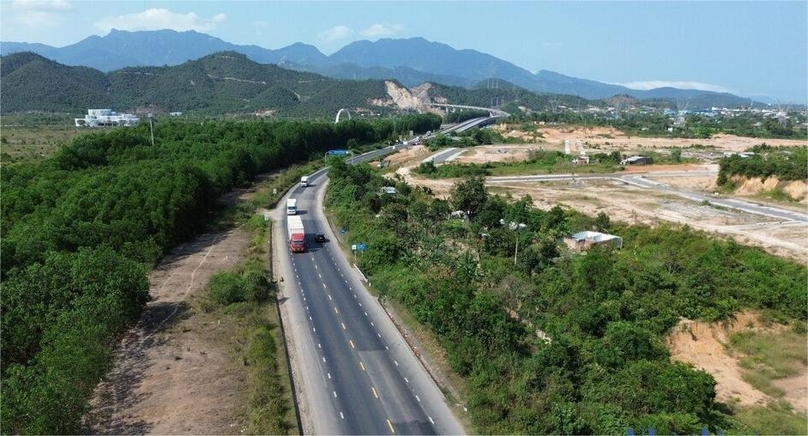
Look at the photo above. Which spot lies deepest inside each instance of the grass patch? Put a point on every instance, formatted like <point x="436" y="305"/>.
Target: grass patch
<point x="770" y="356"/>
<point x="776" y="418"/>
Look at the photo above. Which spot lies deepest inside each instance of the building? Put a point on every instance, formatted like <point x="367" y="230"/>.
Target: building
<point x="637" y="160"/>
<point x="106" y="118"/>
<point x="583" y="240"/>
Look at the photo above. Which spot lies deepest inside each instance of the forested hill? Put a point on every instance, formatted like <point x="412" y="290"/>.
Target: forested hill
<point x="221" y="83"/>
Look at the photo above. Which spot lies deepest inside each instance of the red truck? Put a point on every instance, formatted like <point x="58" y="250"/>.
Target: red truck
<point x="297" y="235"/>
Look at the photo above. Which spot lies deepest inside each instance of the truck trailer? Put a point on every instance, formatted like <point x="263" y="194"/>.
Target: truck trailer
<point x="304" y="181"/>
<point x="297" y="235"/>
<point x="291" y="206"/>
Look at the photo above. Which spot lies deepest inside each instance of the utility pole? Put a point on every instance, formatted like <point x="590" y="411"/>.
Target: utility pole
<point x="151" y="127"/>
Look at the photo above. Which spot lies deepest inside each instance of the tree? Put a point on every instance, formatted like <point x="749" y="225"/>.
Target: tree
<point x="470" y="196"/>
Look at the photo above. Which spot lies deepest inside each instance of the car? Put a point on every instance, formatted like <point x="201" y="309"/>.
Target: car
<point x="319" y="237"/>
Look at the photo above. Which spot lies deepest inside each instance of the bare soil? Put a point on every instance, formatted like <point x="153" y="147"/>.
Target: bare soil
<point x="176" y="372"/>
<point x="704" y="345"/>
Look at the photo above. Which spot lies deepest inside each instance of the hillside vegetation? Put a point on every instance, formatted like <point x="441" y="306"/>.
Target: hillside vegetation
<point x="220" y="83"/>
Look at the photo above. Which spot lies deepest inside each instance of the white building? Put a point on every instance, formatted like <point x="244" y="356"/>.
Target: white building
<point x="586" y="239"/>
<point x="106" y="117"/>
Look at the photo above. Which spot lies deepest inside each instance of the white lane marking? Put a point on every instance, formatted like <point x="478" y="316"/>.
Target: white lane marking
<point x="323" y="359"/>
<point x="396" y="362"/>
<point x="360" y="304"/>
<point x="406" y="379"/>
<point x="335" y="394"/>
<point x="319" y="345"/>
<point x="336" y="310"/>
<point x="362" y="365"/>
<point x="341" y="415"/>
<point x="329" y="375"/>
<point x="329" y="297"/>
<point x="366" y="314"/>
<point x="431" y="420"/>
<point x="375" y="394"/>
<point x="418" y="398"/>
<point x="314" y="329"/>
<point x="379" y="335"/>
<point x="352" y="344"/>
<point x="309" y="317"/>
<point x="371" y="323"/>
<point x="343" y="326"/>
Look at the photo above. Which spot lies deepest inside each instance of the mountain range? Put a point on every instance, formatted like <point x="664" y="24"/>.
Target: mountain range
<point x="411" y="62"/>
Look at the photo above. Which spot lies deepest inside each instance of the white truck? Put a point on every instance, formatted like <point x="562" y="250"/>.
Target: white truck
<point x="291" y="206"/>
<point x="297" y="234"/>
<point x="304" y="181"/>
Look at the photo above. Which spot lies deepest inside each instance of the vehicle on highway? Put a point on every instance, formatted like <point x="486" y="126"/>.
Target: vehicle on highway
<point x="297" y="234"/>
<point x="304" y="181"/>
<point x="319" y="237"/>
<point x="291" y="206"/>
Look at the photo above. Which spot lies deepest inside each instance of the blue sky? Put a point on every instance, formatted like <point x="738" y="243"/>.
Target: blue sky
<point x="749" y="48"/>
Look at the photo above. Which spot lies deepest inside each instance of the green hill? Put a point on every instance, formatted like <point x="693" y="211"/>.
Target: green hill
<point x="221" y="83"/>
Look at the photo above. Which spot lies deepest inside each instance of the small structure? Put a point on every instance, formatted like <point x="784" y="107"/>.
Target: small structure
<point x="583" y="240"/>
<point x="106" y="117"/>
<point x="582" y="159"/>
<point x="389" y="190"/>
<point x="637" y="160"/>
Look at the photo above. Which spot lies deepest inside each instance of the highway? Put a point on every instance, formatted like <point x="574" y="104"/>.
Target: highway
<point x="354" y="373"/>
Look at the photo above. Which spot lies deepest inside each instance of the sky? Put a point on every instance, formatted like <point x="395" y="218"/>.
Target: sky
<point x="748" y="48"/>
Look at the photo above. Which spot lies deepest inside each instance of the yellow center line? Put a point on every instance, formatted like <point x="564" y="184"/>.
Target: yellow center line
<point x="390" y="424"/>
<point x="374" y="392"/>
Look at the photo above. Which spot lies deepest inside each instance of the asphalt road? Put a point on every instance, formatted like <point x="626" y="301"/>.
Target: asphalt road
<point x="354" y="373"/>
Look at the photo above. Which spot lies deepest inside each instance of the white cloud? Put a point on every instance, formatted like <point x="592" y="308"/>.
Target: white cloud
<point x="158" y="19"/>
<point x="39" y="14"/>
<point x="383" y="30"/>
<point x="551" y="44"/>
<point x="335" y="33"/>
<point x="42" y="5"/>
<point x="651" y="84"/>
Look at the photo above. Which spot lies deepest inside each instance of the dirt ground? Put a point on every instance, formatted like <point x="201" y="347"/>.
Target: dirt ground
<point x="693" y="342"/>
<point x="703" y="345"/>
<point x="176" y="371"/>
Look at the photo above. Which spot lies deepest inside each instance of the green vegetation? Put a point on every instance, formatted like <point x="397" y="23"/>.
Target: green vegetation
<point x="246" y="295"/>
<point x="593" y="360"/>
<point x="80" y="231"/>
<point x="785" y="163"/>
<point x="460" y="116"/>
<point x="770" y="356"/>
